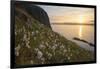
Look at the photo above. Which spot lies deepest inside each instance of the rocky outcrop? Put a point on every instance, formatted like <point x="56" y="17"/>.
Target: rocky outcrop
<point x="36" y="12"/>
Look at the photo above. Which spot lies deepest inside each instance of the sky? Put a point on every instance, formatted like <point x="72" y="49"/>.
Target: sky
<point x="66" y="14"/>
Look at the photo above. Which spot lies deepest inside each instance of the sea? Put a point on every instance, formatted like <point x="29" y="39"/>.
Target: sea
<point x="85" y="32"/>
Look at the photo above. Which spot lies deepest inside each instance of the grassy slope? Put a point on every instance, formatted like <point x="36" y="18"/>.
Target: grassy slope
<point x="37" y="44"/>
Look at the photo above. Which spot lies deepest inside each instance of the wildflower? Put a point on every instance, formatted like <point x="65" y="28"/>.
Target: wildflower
<point x="17" y="53"/>
<point x="25" y="37"/>
<point x="31" y="61"/>
<point x="49" y="54"/>
<point x="62" y="47"/>
<point x="68" y="58"/>
<point x="42" y="46"/>
<point x="33" y="33"/>
<point x="53" y="47"/>
<point x="46" y="43"/>
<point x="17" y="50"/>
<point x="65" y="50"/>
<point x="15" y="33"/>
<point x="56" y="45"/>
<point x="39" y="54"/>
<point x="36" y="49"/>
<point x="37" y="31"/>
<point x="27" y="45"/>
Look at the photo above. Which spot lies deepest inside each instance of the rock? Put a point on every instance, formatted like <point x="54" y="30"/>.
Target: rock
<point x="36" y="12"/>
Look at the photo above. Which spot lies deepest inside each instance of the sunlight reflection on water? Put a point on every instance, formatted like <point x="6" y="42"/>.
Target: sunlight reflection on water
<point x="85" y="32"/>
<point x="80" y="31"/>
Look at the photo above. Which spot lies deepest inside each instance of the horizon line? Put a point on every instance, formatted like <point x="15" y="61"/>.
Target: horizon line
<point x="71" y="24"/>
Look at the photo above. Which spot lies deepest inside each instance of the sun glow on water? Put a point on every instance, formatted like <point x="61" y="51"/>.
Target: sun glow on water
<point x="81" y="20"/>
<point x="80" y="31"/>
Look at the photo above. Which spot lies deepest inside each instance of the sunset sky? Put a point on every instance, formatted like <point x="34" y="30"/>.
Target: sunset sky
<point x="61" y="14"/>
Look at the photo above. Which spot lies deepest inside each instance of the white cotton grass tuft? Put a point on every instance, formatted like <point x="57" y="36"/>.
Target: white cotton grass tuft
<point x="46" y="43"/>
<point x="33" y="33"/>
<point x="36" y="49"/>
<point x="42" y="46"/>
<point x="15" y="33"/>
<point x="62" y="47"/>
<point x="27" y="45"/>
<point x="17" y="50"/>
<point x="53" y="47"/>
<point x="37" y="31"/>
<point x="49" y="54"/>
<point x="17" y="53"/>
<point x="68" y="58"/>
<point x="65" y="50"/>
<point x="31" y="61"/>
<point x="39" y="54"/>
<point x="56" y="45"/>
<point x="25" y="37"/>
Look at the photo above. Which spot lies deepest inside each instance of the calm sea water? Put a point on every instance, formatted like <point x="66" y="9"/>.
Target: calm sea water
<point x="85" y="32"/>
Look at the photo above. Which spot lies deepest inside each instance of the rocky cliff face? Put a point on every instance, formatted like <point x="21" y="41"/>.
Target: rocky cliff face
<point x="36" y="12"/>
<point x="36" y="43"/>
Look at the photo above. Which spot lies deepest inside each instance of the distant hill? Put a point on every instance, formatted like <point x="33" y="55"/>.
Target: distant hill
<point x="36" y="43"/>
